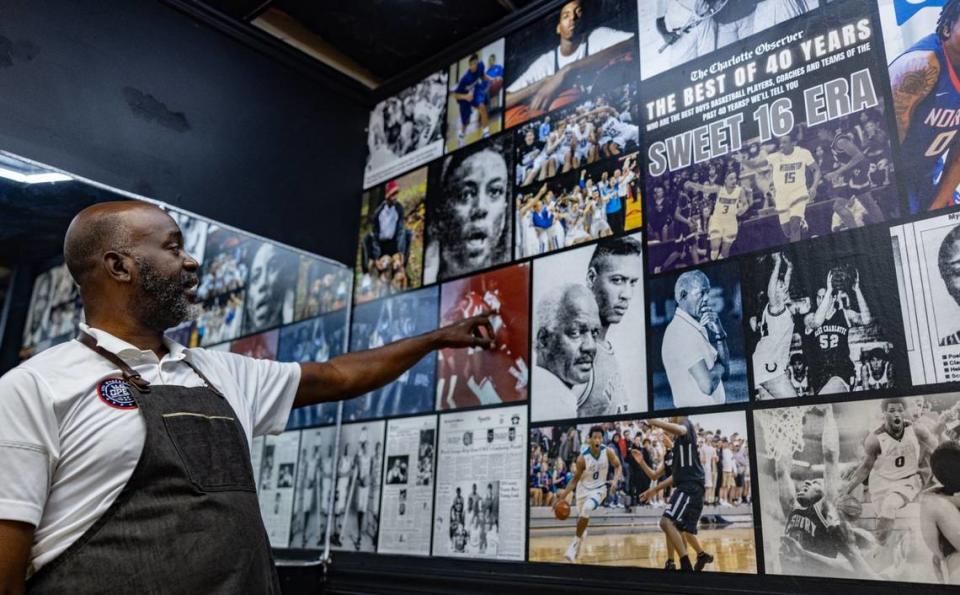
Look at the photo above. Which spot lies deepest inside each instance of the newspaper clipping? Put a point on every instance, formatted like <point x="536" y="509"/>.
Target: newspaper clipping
<point x="357" y="500"/>
<point x="278" y="466"/>
<point x="481" y="496"/>
<point x="311" y="499"/>
<point x="407" y="504"/>
<point x="926" y="255"/>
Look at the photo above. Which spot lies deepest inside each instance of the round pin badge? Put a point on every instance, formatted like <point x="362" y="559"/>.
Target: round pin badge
<point x="116" y="393"/>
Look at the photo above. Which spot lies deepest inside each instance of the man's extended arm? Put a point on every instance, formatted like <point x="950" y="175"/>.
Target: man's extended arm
<point x="16" y="538"/>
<point x="354" y="374"/>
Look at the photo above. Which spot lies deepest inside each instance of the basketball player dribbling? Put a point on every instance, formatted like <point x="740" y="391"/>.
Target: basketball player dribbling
<point x="590" y="480"/>
<point x="771" y="356"/>
<point x="926" y="100"/>
<point x="891" y="464"/>
<point x="731" y="203"/>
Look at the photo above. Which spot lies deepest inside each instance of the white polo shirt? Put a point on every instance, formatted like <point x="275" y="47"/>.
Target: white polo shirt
<point x="66" y="453"/>
<point x="551" y="398"/>
<point x="684" y="344"/>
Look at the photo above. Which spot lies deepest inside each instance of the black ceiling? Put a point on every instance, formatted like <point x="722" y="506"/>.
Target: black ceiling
<point x="386" y="37"/>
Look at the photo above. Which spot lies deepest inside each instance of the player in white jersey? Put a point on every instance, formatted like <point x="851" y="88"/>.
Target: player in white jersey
<point x="345" y="473"/>
<point x="876" y="371"/>
<point x="771" y="356"/>
<point x="363" y="489"/>
<point x="788" y="172"/>
<point x="731" y="203"/>
<point x="590" y="480"/>
<point x="891" y="464"/>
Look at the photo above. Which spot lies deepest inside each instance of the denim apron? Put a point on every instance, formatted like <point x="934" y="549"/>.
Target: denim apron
<point x="188" y="519"/>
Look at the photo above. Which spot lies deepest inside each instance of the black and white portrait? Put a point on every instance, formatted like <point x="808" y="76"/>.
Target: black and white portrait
<point x="271" y="287"/>
<point x="469" y="211"/>
<point x="673" y="32"/>
<point x="397" y="469"/>
<point x="588" y="329"/>
<point x="696" y="320"/>
<point x="406" y="130"/>
<point x="358" y="484"/>
<point x="314" y="488"/>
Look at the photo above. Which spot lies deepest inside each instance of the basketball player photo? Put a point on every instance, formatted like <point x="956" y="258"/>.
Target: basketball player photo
<point x="226" y="266"/>
<point x="584" y="46"/>
<point x="37" y="327"/>
<point x="356" y="501"/>
<point x="390" y="254"/>
<point x="476" y="376"/>
<point x="862" y="489"/>
<point x="406" y="129"/>
<point x="271" y="287"/>
<point x="642" y="482"/>
<point x="927" y="258"/>
<point x="469" y="211"/>
<point x="314" y="340"/>
<point x="815" y="172"/>
<point x="220" y="318"/>
<point x="697" y="338"/>
<point x="917" y="36"/>
<point x="322" y="286"/>
<point x="588" y="329"/>
<point x="597" y="201"/>
<point x="678" y="31"/>
<point x="475" y="96"/>
<point x="829" y="303"/>
<point x="313" y="491"/>
<point x="602" y="125"/>
<point x="278" y="468"/>
<point x="384" y="321"/>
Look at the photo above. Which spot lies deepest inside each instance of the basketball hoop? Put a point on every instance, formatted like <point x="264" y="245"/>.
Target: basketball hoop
<point x="782" y="430"/>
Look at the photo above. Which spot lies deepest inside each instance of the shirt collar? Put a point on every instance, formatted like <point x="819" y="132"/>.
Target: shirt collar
<point x="122" y="348"/>
<point x="686" y="317"/>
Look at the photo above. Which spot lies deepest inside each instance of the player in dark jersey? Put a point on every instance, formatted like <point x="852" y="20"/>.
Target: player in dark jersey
<point x="816" y="540"/>
<point x="826" y="341"/>
<point x="681" y="518"/>
<point x="926" y="100"/>
<point x="939" y="516"/>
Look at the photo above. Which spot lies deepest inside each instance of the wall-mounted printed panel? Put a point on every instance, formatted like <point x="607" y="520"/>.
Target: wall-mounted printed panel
<point x="774" y="139"/>
<point x="926" y="254"/>
<point x="384" y="321"/>
<point x="581" y="48"/>
<point x="597" y="201"/>
<point x="588" y="332"/>
<point x="698" y="355"/>
<point x="923" y="84"/>
<point x="861" y="489"/>
<point x="278" y="470"/>
<point x="357" y="500"/>
<point x="406" y="130"/>
<point x="476" y="376"/>
<point x="677" y="31"/>
<point x="475" y="99"/>
<point x="408" y="478"/>
<point x="479" y="511"/>
<point x="390" y="252"/>
<point x="632" y="474"/>
<point x="314" y="340"/>
<point x="314" y="488"/>
<point x="469" y="210"/>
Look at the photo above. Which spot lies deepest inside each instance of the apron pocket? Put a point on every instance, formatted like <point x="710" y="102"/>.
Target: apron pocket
<point x="213" y="450"/>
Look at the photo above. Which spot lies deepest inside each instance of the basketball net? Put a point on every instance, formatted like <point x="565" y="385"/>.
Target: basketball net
<point x="782" y="430"/>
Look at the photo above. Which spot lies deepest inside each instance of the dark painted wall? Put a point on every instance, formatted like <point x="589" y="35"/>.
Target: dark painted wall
<point x="137" y="95"/>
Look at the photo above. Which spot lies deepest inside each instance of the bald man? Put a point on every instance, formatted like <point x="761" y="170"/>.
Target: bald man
<point x="125" y="455"/>
<point x="568" y="328"/>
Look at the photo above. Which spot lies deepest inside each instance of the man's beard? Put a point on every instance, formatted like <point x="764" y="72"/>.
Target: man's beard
<point x="162" y="303"/>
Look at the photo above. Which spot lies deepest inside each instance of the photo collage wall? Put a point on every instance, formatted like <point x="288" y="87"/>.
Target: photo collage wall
<point x="719" y="246"/>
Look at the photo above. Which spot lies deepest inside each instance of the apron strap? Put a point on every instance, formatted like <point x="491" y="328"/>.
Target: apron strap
<point x="129" y="374"/>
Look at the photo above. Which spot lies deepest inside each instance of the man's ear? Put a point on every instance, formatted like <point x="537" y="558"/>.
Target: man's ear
<point x="118" y="266"/>
<point x="543" y="336"/>
<point x="591" y="276"/>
